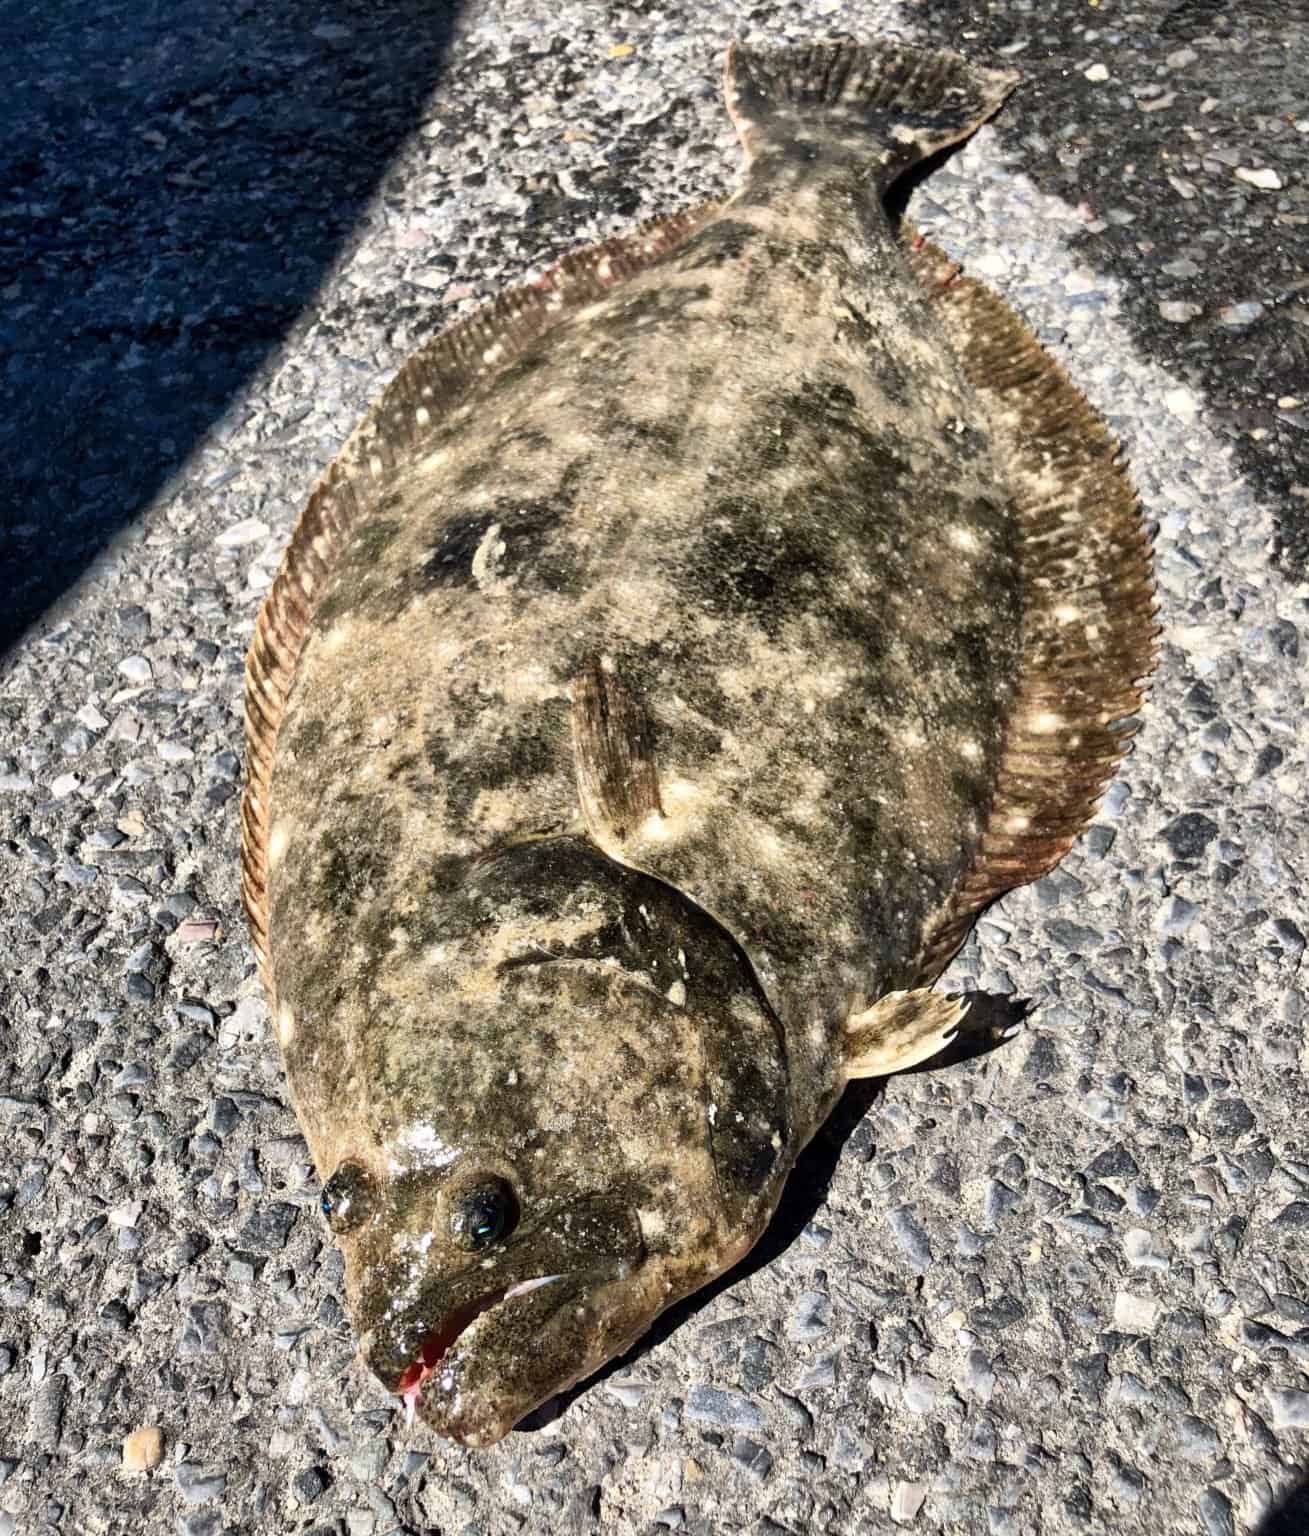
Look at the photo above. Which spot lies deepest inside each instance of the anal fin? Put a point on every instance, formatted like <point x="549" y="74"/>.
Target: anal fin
<point x="1086" y="568"/>
<point x="901" y="1030"/>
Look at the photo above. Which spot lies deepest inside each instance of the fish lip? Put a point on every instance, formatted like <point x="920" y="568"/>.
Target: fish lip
<point x="440" y="1340"/>
<point x="480" y="1411"/>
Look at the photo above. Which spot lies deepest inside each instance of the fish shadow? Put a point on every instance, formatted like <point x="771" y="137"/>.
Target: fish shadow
<point x="991" y="1021"/>
<point x="1290" y="1515"/>
<point x="898" y="197"/>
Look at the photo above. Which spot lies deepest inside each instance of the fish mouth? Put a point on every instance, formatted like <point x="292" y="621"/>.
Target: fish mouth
<point x="438" y="1343"/>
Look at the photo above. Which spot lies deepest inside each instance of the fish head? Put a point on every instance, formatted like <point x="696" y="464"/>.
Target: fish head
<point x="482" y="1294"/>
<point x="575" y="1114"/>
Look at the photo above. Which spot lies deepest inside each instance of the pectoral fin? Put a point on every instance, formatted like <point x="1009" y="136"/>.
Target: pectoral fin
<point x="613" y="753"/>
<point x="901" y="1030"/>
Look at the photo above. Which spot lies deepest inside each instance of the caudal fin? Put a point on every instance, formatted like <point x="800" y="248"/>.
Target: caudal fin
<point x="885" y="100"/>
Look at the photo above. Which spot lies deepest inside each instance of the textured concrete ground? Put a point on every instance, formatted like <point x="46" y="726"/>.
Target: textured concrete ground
<point x="1061" y="1288"/>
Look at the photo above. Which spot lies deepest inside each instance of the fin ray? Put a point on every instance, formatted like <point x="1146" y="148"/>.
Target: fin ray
<point x="901" y="1030"/>
<point x="613" y="755"/>
<point x="1090" y="635"/>
<point x="886" y="101"/>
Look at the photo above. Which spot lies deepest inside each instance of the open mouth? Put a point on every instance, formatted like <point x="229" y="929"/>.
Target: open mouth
<point x="452" y="1327"/>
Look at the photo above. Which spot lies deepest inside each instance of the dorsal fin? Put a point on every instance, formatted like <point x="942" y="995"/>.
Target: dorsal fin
<point x="431" y="384"/>
<point x="1089" y="636"/>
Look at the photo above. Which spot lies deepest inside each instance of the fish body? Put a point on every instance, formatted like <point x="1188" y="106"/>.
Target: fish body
<point x="673" y="663"/>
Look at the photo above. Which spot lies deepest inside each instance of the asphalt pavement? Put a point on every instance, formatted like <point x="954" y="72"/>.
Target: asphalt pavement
<point x="1060" y="1287"/>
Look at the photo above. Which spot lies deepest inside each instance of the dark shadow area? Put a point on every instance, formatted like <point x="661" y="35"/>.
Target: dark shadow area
<point x="903" y="188"/>
<point x="1290" y="1515"/>
<point x="991" y="1022"/>
<point x="178" y="175"/>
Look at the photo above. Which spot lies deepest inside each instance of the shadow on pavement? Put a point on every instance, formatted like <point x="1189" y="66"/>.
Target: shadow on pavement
<point x="178" y="175"/>
<point x="1290" y="1516"/>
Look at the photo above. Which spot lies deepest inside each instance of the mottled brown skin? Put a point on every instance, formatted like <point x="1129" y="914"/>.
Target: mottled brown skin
<point x="752" y="484"/>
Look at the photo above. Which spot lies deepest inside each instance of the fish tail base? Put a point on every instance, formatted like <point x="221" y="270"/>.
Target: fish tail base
<point x="886" y="102"/>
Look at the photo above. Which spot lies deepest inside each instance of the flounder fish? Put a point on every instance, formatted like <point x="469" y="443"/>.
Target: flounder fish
<point x="680" y="654"/>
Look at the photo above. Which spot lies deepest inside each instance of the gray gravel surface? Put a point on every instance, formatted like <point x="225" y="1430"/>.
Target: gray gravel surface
<point x="1062" y="1287"/>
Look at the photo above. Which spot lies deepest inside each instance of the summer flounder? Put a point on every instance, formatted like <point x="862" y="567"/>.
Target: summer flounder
<point x="681" y="653"/>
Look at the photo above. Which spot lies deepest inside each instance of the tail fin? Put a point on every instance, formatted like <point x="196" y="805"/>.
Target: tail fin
<point x="885" y="101"/>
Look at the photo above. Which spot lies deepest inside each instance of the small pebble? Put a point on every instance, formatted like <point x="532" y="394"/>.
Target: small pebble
<point x="1264" y="178"/>
<point x="143" y="1449"/>
<point x="1139" y="1246"/>
<point x="136" y="669"/>
<point x="1289" y="1408"/>
<point x="1215" y="1512"/>
<point x="906" y="1500"/>
<point x="1176" y="915"/>
<point x="920" y="1392"/>
<point x="909" y="1235"/>
<point x="1134" y="1314"/>
<point x="248" y="531"/>
<point x="718" y="1406"/>
<point x="811" y="1318"/>
<point x="1237" y="315"/>
<point x="196" y="932"/>
<point x="631" y="1394"/>
<point x="197" y="1485"/>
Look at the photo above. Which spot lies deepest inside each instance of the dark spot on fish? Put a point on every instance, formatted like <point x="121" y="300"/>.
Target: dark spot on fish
<point x="353" y="865"/>
<point x="720" y="242"/>
<point x="972" y="653"/>
<point x="852" y="325"/>
<point x="448" y="871"/>
<point x="371" y="540"/>
<point x="308" y="737"/>
<point x="449" y="562"/>
<point x="403" y="766"/>
<point x="522" y="367"/>
<point x="819" y="413"/>
<point x="971" y="788"/>
<point x="664" y="438"/>
<point x="855" y="331"/>
<point x="519" y="441"/>
<point x="473" y="476"/>
<point x="359" y="571"/>
<point x="517" y="752"/>
<point x="743" y="1161"/>
<point x="337" y="601"/>
<point x="747" y="559"/>
<point x="809" y="258"/>
<point x="534" y="557"/>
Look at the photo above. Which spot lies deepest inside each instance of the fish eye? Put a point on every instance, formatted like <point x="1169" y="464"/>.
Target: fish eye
<point x="345" y="1198"/>
<point x="483" y="1213"/>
